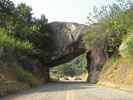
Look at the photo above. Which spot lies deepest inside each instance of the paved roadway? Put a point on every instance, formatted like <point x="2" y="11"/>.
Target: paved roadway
<point x="71" y="91"/>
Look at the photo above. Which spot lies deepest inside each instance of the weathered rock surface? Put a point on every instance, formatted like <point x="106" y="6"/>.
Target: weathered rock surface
<point x="67" y="39"/>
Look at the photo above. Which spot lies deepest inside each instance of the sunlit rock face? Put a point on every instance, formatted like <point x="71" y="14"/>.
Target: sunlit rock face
<point x="67" y="39"/>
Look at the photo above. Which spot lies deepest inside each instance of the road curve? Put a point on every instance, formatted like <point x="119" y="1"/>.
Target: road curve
<point x="71" y="91"/>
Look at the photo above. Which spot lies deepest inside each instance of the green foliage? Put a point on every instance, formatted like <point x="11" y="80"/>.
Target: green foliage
<point x="112" y="17"/>
<point x="6" y="13"/>
<point x="88" y="38"/>
<point x="109" y="24"/>
<point x="6" y="6"/>
<point x="23" y="20"/>
<point x="64" y="70"/>
<point x="26" y="25"/>
<point x="79" y="64"/>
<point x="126" y="49"/>
<point x="113" y="41"/>
<point x="19" y="20"/>
<point x="39" y="24"/>
<point x="75" y="67"/>
<point x="11" y="41"/>
<point x="26" y="77"/>
<point x="20" y="27"/>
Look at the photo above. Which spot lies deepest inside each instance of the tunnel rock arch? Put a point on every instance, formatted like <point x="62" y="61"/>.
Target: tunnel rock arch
<point x="67" y="40"/>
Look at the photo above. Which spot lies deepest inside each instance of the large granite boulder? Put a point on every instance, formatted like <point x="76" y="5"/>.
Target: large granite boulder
<point x="67" y="40"/>
<point x="63" y="42"/>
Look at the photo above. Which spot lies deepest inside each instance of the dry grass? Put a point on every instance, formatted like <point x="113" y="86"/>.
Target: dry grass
<point x="120" y="73"/>
<point x="84" y="76"/>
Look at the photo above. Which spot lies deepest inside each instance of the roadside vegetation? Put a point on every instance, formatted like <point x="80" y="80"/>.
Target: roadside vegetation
<point x="112" y="25"/>
<point x="7" y="40"/>
<point x="19" y="32"/>
<point x="110" y="28"/>
<point x="75" y="68"/>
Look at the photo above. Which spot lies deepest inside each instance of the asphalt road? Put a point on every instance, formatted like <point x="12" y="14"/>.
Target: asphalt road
<point x="71" y="91"/>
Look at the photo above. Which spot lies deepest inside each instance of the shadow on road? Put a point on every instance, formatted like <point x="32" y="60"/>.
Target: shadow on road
<point x="68" y="90"/>
<point x="63" y="86"/>
<point x="57" y="86"/>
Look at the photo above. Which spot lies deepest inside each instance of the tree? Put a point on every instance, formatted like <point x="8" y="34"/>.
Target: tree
<point x="39" y="25"/>
<point x="20" y="23"/>
<point x="24" y="13"/>
<point x="6" y="6"/>
<point x="109" y="24"/>
<point x="73" y="68"/>
<point x="112" y="17"/>
<point x="23" y="20"/>
<point x="6" y="13"/>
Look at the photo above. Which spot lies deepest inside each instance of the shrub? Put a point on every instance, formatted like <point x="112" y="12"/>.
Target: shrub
<point x="8" y="40"/>
<point x="126" y="49"/>
<point x="26" y="77"/>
